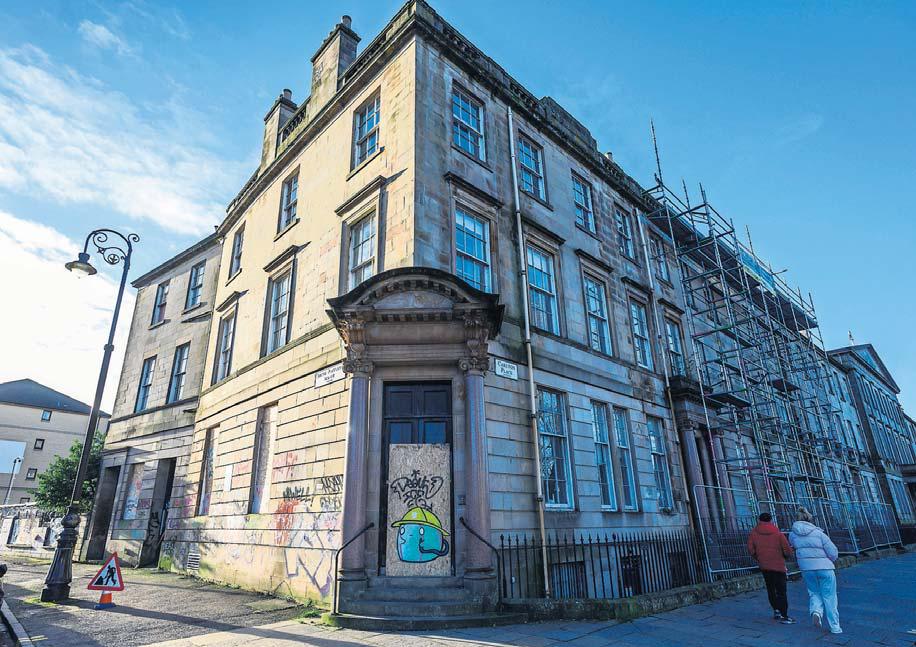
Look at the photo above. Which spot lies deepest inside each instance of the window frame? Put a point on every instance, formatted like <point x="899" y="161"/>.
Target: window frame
<point x="554" y="294"/>
<point x="31" y="474"/>
<point x="588" y="276"/>
<point x="625" y="459"/>
<point x="144" y="388"/>
<point x="179" y="372"/>
<point x="626" y="239"/>
<point x="672" y="353"/>
<point x="160" y="302"/>
<point x="650" y="365"/>
<point x="608" y="488"/>
<point x="287" y="275"/>
<point x="658" y="449"/>
<point x="371" y="106"/>
<point x="262" y="451"/>
<point x="487" y="264"/>
<point x="459" y="124"/>
<point x="205" y="481"/>
<point x="235" y="254"/>
<point x="220" y="351"/>
<point x="659" y="257"/>
<point x="39" y="444"/>
<point x="288" y="208"/>
<point x="589" y="224"/>
<point x="564" y="440"/>
<point x="195" y="284"/>
<point x="539" y="173"/>
<point x="370" y="215"/>
<point x="48" y="418"/>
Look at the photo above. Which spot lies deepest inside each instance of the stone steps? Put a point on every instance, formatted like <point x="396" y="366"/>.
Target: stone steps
<point x="412" y="593"/>
<point x="402" y="608"/>
<point x="421" y="623"/>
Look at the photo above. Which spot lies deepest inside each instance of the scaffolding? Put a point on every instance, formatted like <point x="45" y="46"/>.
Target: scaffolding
<point x="759" y="364"/>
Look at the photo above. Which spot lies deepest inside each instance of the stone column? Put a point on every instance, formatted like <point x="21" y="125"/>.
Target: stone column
<point x="356" y="474"/>
<point x="692" y="471"/>
<point x="478" y="556"/>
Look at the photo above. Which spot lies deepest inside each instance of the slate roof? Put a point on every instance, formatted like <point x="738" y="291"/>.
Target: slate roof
<point x="30" y="393"/>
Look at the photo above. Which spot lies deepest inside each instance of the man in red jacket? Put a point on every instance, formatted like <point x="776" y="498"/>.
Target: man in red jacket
<point x="770" y="548"/>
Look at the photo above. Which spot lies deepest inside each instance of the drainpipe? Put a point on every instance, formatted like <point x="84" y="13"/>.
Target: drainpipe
<point x="532" y="390"/>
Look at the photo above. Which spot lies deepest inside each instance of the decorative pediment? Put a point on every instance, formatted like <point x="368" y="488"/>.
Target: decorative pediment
<point x="439" y="309"/>
<point x="416" y="293"/>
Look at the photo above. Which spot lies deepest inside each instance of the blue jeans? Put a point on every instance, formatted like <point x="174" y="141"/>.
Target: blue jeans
<point x="822" y="596"/>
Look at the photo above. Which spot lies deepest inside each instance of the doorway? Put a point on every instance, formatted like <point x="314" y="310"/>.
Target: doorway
<point x="104" y="504"/>
<point x="416" y="416"/>
<point x="159" y="510"/>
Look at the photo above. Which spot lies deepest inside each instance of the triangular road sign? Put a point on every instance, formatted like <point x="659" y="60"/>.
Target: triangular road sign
<point x="109" y="576"/>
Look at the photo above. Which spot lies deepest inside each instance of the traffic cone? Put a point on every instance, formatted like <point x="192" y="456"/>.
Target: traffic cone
<point x="105" y="601"/>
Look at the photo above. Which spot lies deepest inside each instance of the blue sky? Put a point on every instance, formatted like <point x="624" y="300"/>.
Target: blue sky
<point x="798" y="119"/>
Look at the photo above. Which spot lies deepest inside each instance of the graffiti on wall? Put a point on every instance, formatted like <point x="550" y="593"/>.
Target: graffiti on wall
<point x="419" y="510"/>
<point x="132" y="492"/>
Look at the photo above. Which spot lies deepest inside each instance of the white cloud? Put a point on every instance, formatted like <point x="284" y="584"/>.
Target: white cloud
<point x="103" y="38"/>
<point x="70" y="138"/>
<point x="55" y="323"/>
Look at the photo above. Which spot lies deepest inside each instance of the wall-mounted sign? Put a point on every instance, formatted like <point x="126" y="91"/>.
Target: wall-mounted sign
<point x="506" y="369"/>
<point x="329" y="374"/>
<point x="419" y="510"/>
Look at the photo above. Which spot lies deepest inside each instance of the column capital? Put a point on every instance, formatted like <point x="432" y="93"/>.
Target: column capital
<point x="474" y="364"/>
<point x="358" y="367"/>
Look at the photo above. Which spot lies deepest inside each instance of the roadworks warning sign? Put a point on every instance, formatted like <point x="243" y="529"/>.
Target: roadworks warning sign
<point x="109" y="576"/>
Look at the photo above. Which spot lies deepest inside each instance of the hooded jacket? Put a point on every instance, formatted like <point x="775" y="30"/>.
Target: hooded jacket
<point x="769" y="547"/>
<point x="813" y="549"/>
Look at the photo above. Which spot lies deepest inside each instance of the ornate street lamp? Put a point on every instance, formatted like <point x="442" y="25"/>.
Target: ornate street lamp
<point x="57" y="583"/>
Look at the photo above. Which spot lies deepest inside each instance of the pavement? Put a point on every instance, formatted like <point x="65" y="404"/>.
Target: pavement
<point x="155" y="606"/>
<point x="877" y="608"/>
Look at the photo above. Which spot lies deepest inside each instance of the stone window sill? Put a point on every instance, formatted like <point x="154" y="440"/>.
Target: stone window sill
<point x="365" y="162"/>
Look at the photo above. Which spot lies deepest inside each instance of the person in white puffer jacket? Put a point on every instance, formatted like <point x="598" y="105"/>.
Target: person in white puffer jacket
<point x="816" y="554"/>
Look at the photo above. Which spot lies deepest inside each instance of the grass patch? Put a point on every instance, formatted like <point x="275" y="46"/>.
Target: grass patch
<point x="36" y="599"/>
<point x="309" y="611"/>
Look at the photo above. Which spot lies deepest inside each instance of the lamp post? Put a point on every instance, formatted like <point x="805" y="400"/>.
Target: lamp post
<point x="16" y="461"/>
<point x="113" y="252"/>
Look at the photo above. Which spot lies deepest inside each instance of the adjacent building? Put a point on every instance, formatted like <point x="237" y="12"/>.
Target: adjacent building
<point x="37" y="424"/>
<point x="151" y="431"/>
<point x="888" y="433"/>
<point x="438" y="313"/>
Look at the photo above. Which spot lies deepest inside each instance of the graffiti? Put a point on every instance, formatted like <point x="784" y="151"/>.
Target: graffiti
<point x="421" y="537"/>
<point x="419" y="505"/>
<point x="415" y="490"/>
<point x="327" y="491"/>
<point x="132" y="496"/>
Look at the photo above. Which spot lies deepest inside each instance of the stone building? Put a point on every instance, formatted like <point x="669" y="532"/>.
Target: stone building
<point x="440" y="315"/>
<point x="147" y="449"/>
<point x="368" y="298"/>
<point x="889" y="439"/>
<point x="37" y="424"/>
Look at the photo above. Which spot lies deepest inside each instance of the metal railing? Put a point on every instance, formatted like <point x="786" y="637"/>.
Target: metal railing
<point x="500" y="575"/>
<point x="595" y="567"/>
<point x="337" y="552"/>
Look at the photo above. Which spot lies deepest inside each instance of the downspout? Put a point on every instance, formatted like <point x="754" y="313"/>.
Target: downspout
<point x="532" y="390"/>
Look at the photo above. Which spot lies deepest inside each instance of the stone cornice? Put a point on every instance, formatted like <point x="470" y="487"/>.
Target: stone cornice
<point x="477" y="192"/>
<point x="362" y="194"/>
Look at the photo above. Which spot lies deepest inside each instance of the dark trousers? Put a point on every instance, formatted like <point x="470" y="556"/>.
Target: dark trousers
<point x="776" y="590"/>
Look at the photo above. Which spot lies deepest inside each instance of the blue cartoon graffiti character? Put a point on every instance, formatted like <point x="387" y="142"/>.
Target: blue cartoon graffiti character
<point x="421" y="537"/>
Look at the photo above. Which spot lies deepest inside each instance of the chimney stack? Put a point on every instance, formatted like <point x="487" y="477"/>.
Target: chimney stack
<point x="279" y="113"/>
<point x="330" y="62"/>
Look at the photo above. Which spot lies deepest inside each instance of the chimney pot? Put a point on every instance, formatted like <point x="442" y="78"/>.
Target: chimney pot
<point x="345" y="21"/>
<point x="287" y="94"/>
<point x="610" y="156"/>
